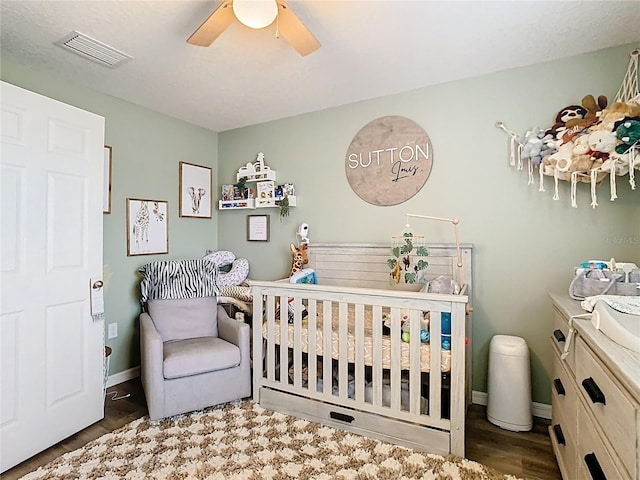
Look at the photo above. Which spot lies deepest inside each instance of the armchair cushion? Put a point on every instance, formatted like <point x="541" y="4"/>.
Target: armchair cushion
<point x="198" y="355"/>
<point x="179" y="319"/>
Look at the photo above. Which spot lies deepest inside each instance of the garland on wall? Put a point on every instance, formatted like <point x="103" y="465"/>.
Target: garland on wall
<point x="587" y="143"/>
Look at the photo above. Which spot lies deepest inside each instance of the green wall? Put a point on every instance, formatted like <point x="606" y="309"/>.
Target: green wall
<point x="525" y="243"/>
<point x="147" y="147"/>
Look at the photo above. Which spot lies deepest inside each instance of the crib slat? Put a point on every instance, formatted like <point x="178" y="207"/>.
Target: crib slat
<point x="284" y="341"/>
<point x="377" y="356"/>
<point x="396" y="346"/>
<point x="343" y="357"/>
<point x="359" y="356"/>
<point x="435" y="374"/>
<point x="271" y="347"/>
<point x="258" y="346"/>
<point x="414" y="355"/>
<point x="313" y="345"/>
<point x="297" y="352"/>
<point x="327" y="375"/>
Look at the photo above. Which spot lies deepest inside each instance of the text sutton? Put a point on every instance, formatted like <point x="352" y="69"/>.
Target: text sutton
<point x="407" y="153"/>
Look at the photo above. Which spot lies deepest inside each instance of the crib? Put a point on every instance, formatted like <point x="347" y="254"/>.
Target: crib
<point x="348" y="352"/>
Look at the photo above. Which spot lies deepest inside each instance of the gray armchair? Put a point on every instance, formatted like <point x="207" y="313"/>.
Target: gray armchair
<point x="192" y="356"/>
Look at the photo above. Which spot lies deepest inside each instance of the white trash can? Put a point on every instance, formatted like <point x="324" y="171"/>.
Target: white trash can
<point x="509" y="384"/>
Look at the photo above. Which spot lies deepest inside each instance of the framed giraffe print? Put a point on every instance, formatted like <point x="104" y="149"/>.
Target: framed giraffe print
<point x="195" y="191"/>
<point x="147" y="227"/>
<point x="258" y="228"/>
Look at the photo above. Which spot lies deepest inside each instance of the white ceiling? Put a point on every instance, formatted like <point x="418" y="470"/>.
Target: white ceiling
<point x="369" y="49"/>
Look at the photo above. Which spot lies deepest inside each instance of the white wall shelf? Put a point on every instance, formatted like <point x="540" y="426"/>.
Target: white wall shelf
<point x="250" y="203"/>
<point x="254" y="173"/>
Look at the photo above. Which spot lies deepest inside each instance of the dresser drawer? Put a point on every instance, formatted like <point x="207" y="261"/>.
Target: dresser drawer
<point x="612" y="408"/>
<point x="564" y="447"/>
<point x="564" y="397"/>
<point x="559" y="336"/>
<point x="594" y="461"/>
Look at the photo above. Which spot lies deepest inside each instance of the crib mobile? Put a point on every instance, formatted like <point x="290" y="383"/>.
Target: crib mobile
<point x="409" y="252"/>
<point x="587" y="142"/>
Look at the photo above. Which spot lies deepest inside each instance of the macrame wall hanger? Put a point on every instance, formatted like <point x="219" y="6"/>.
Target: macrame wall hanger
<point x="616" y="164"/>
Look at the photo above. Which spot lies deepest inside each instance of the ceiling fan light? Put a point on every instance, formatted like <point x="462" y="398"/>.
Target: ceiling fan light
<point x="255" y="13"/>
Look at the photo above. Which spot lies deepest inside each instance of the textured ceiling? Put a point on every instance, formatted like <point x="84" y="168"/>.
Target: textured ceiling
<point x="369" y="49"/>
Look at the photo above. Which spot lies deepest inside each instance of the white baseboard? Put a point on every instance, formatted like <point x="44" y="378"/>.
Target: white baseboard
<point x="117" y="378"/>
<point x="541" y="410"/>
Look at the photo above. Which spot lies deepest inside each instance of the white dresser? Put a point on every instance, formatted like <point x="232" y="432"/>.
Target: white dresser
<point x="595" y="427"/>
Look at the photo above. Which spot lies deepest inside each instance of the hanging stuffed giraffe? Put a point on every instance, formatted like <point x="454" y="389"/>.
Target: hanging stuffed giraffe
<point x="300" y="258"/>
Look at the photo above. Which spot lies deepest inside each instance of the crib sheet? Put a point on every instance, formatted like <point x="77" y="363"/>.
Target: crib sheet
<point x="425" y="349"/>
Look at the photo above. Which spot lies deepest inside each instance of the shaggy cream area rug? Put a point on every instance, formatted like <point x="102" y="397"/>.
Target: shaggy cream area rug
<point x="243" y="441"/>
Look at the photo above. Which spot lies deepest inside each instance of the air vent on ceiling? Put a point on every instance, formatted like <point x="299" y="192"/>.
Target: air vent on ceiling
<point x="92" y="49"/>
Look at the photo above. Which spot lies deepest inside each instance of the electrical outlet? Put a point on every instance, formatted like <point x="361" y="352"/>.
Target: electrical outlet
<point x="113" y="330"/>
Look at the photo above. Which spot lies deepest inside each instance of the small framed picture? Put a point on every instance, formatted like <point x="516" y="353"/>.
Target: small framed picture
<point x="195" y="191"/>
<point x="258" y="228"/>
<point x="106" y="190"/>
<point x="147" y="227"/>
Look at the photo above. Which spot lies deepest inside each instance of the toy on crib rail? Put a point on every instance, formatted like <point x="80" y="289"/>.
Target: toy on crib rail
<point x="300" y="257"/>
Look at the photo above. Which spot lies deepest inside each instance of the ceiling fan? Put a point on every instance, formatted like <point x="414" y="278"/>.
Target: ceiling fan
<point x="256" y="14"/>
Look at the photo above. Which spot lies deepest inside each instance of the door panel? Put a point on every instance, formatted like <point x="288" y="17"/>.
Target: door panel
<point x="52" y="351"/>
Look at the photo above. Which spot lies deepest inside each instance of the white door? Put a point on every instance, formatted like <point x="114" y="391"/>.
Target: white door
<point x="51" y="351"/>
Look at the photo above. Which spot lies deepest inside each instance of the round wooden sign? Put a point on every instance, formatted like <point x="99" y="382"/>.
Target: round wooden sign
<point x="389" y="160"/>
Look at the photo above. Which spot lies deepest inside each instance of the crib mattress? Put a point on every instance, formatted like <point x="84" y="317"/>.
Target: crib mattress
<point x="425" y="348"/>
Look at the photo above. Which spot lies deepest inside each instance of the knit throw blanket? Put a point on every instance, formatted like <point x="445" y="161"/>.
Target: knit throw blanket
<point x="171" y="279"/>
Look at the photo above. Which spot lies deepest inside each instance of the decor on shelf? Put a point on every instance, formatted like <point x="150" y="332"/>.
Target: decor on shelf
<point x="587" y="143"/>
<point x="258" y="228"/>
<point x="389" y="160"/>
<point x="408" y="250"/>
<point x="265" y="193"/>
<point x="195" y="191"/>
<point x="147" y="227"/>
<point x="106" y="189"/>
<point x="256" y="171"/>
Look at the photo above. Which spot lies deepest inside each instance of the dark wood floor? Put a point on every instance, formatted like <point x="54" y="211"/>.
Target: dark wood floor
<point x="526" y="454"/>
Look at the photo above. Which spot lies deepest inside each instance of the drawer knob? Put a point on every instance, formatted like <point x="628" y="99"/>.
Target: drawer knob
<point x="559" y="335"/>
<point x="594" y="392"/>
<point x="559" y="435"/>
<point x="594" y="467"/>
<point x="557" y="384"/>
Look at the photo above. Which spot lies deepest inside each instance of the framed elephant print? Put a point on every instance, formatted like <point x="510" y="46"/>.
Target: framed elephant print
<point x="195" y="191"/>
<point x="147" y="227"/>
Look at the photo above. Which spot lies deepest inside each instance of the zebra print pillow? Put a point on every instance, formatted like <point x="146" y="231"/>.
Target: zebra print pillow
<point x="172" y="279"/>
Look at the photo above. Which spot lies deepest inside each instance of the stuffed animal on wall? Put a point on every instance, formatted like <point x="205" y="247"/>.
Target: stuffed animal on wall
<point x="562" y="159"/>
<point x="616" y="112"/>
<point x="565" y="118"/>
<point x="594" y="107"/>
<point x="576" y="125"/>
<point x="532" y="143"/>
<point x="582" y="161"/>
<point x="627" y="131"/>
<point x="601" y="143"/>
<point x="548" y="147"/>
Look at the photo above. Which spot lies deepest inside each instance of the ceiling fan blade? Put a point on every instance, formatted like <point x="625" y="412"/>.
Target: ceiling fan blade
<point x="213" y="26"/>
<point x="294" y="30"/>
